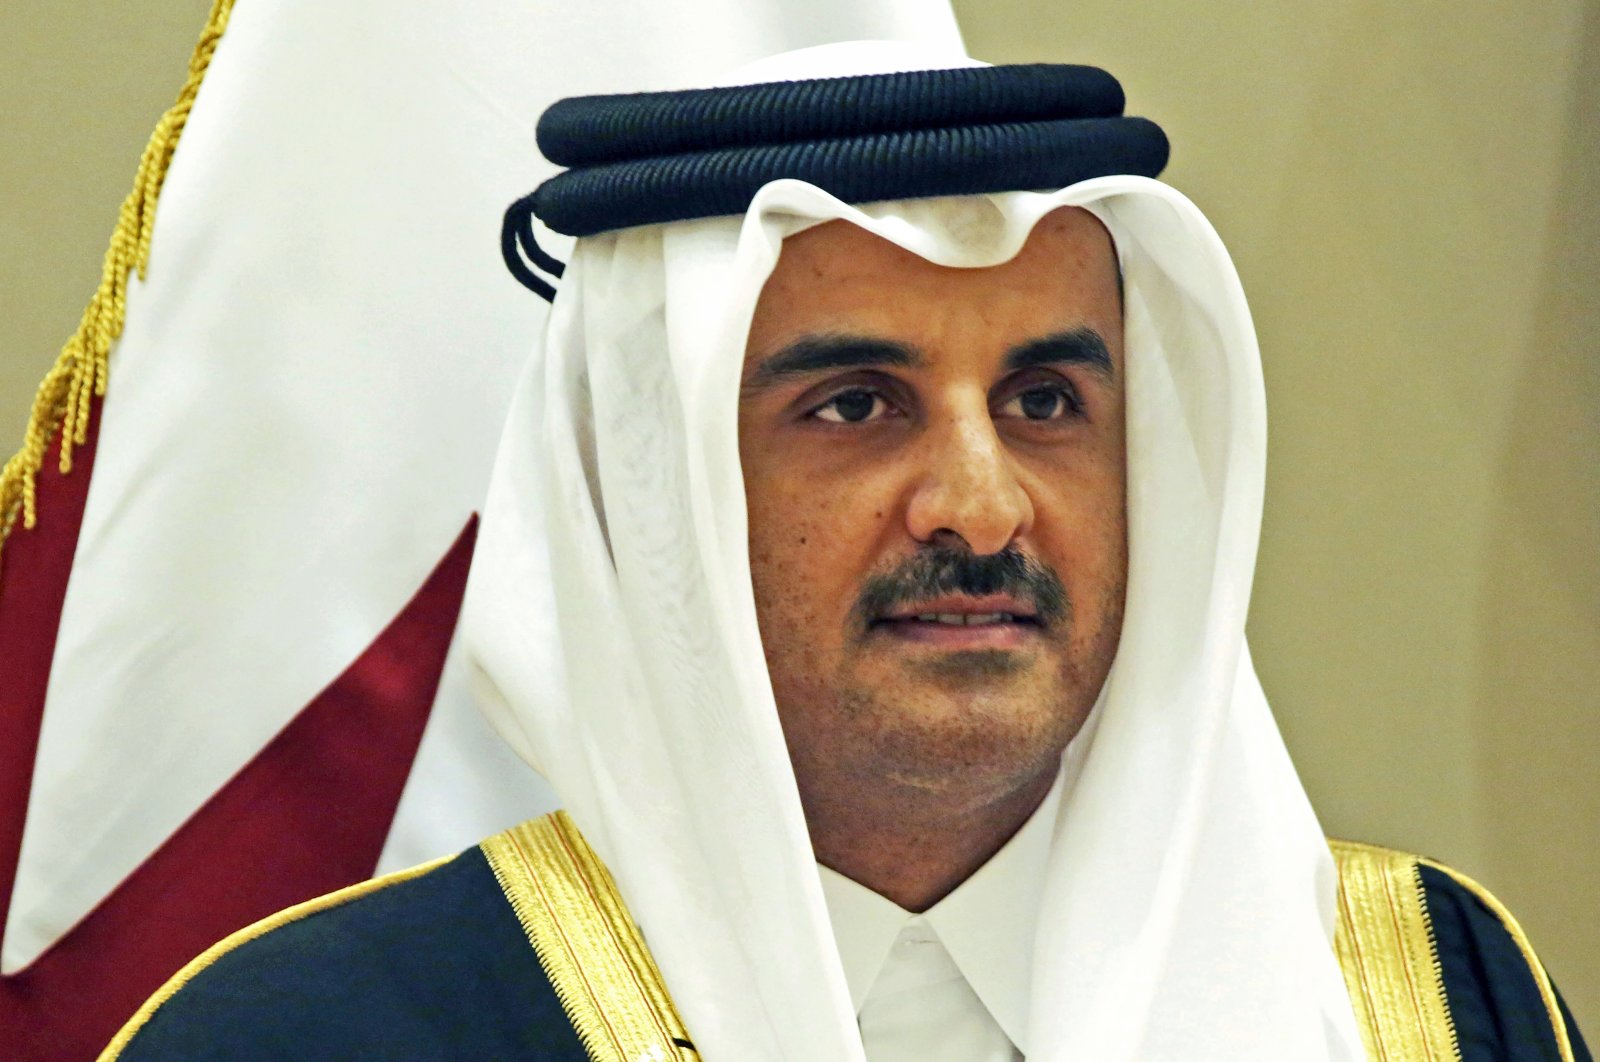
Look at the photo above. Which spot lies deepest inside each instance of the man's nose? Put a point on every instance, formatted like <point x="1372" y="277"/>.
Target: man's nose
<point x="968" y="487"/>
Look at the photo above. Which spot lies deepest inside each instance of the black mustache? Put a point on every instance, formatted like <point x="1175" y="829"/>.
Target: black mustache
<point x="940" y="570"/>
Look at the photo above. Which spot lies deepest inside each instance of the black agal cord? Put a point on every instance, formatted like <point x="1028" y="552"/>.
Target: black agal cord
<point x="652" y="157"/>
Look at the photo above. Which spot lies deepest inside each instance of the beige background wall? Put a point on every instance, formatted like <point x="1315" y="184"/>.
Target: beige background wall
<point x="1412" y="192"/>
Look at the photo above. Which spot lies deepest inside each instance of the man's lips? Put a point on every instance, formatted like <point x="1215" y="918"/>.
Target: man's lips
<point x="995" y="621"/>
<point x="963" y="609"/>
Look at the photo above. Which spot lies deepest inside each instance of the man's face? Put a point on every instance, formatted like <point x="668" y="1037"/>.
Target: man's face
<point x="935" y="472"/>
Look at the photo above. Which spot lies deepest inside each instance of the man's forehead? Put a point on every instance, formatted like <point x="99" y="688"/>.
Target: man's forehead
<point x="840" y="277"/>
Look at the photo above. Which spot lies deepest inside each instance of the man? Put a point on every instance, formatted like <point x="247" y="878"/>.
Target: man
<point x="900" y="521"/>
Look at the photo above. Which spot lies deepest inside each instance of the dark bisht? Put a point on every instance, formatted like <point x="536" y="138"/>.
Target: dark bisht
<point x="651" y="157"/>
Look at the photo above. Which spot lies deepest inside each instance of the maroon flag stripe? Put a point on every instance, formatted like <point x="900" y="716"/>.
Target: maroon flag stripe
<point x="307" y="815"/>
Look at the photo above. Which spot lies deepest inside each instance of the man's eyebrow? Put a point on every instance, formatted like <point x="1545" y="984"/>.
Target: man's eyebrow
<point x="829" y="351"/>
<point x="1080" y="346"/>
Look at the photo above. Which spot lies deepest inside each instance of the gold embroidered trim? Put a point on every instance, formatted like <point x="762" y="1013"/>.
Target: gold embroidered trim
<point x="199" y="963"/>
<point x="586" y="941"/>
<point x="1557" y="1024"/>
<point x="1384" y="941"/>
<point x="81" y="369"/>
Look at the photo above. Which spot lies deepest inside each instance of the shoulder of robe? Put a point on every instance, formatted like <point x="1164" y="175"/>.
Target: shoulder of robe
<point x="423" y="963"/>
<point x="1437" y="968"/>
<point x="592" y="951"/>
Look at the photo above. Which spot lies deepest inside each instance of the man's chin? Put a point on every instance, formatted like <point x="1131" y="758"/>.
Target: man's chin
<point x="973" y="667"/>
<point x="970" y="720"/>
<point x="944" y="688"/>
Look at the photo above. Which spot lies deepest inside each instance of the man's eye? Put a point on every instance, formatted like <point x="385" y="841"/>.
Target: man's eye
<point x="1055" y="402"/>
<point x="852" y="407"/>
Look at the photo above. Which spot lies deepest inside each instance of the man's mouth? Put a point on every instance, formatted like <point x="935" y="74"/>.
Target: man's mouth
<point x="996" y="622"/>
<point x="962" y="619"/>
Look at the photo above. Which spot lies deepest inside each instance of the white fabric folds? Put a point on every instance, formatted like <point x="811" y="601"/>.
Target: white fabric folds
<point x="1188" y="907"/>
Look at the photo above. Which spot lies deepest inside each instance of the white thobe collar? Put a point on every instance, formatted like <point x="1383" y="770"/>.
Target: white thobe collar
<point x="986" y="925"/>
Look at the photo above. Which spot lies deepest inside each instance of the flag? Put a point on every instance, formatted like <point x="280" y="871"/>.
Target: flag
<point x="225" y="671"/>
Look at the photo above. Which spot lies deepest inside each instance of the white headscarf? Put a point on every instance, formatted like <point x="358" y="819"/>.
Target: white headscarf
<point x="1188" y="907"/>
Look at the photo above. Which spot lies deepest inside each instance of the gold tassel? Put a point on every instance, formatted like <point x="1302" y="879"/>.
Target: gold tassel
<point x="81" y="369"/>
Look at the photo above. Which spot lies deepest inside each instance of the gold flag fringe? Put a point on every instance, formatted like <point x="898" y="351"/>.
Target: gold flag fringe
<point x="80" y="370"/>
